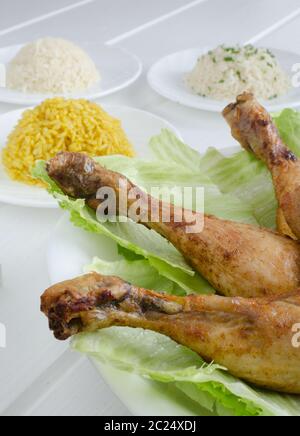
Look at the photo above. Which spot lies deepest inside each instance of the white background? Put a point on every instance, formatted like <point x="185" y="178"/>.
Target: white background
<point x="39" y="376"/>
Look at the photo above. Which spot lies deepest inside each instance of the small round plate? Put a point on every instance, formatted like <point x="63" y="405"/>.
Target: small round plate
<point x="166" y="77"/>
<point x="118" y="69"/>
<point x="139" y="126"/>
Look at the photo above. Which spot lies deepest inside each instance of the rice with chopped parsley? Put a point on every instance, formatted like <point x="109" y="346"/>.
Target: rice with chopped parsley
<point x="226" y="72"/>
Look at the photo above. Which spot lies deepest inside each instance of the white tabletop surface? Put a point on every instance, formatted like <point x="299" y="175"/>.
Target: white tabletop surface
<point x="39" y="376"/>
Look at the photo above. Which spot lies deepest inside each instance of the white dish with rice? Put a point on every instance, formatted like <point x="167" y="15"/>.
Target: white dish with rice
<point x="138" y="125"/>
<point x="118" y="69"/>
<point x="200" y="68"/>
<point x="52" y="65"/>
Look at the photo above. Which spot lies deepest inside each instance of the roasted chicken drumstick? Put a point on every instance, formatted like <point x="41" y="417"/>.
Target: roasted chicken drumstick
<point x="237" y="259"/>
<point x="253" y="127"/>
<point x="252" y="338"/>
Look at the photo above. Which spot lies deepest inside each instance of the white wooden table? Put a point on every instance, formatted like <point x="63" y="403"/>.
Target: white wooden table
<point x="39" y="376"/>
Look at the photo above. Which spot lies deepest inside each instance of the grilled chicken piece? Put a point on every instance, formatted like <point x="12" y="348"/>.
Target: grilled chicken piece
<point x="252" y="338"/>
<point x="254" y="129"/>
<point x="237" y="259"/>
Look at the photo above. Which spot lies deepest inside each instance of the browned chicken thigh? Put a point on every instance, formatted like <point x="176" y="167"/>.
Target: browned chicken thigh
<point x="252" y="338"/>
<point x="237" y="259"/>
<point x="253" y="127"/>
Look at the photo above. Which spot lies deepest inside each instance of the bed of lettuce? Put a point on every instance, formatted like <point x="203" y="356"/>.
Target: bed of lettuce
<point x="238" y="188"/>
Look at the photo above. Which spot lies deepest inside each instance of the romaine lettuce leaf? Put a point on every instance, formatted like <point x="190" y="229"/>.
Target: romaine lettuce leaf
<point x="138" y="272"/>
<point x="241" y="176"/>
<point x="166" y="147"/>
<point x="248" y="179"/>
<point x="156" y="356"/>
<point x="196" y="284"/>
<point x="288" y="124"/>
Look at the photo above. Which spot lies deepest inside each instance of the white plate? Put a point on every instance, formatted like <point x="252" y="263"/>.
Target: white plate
<point x="118" y="69"/>
<point x="71" y="248"/>
<point x="139" y="126"/>
<point x="166" y="77"/>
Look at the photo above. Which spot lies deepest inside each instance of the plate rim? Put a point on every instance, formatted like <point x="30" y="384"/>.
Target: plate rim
<point x="89" y="96"/>
<point x="216" y="105"/>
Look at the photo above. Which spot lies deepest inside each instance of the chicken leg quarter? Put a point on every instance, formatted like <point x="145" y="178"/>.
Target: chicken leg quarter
<point x="253" y="127"/>
<point x="237" y="259"/>
<point x="252" y="338"/>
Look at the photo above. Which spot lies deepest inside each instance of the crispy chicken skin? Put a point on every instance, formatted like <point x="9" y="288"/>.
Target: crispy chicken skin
<point x="252" y="338"/>
<point x="237" y="259"/>
<point x="254" y="129"/>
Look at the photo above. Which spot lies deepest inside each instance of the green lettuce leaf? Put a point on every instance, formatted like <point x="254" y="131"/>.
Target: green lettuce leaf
<point x="138" y="272"/>
<point x="157" y="357"/>
<point x="288" y="124"/>
<point x="196" y="284"/>
<point x="248" y="179"/>
<point x="166" y="147"/>
<point x="241" y="176"/>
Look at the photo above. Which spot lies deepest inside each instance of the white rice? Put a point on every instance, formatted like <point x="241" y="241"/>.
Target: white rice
<point x="51" y="66"/>
<point x="226" y="72"/>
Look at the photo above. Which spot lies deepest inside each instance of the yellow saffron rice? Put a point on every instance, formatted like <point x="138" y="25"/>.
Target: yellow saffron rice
<point x="62" y="125"/>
